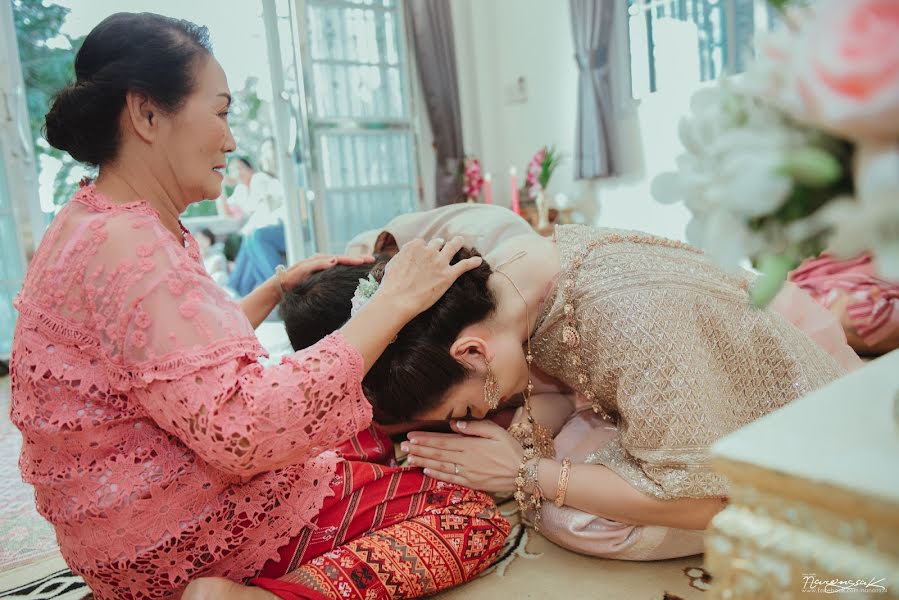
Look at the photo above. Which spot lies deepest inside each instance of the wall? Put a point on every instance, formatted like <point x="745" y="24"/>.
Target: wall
<point x="498" y="41"/>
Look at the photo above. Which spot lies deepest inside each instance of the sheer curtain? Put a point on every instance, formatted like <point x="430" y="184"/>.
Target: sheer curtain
<point x="595" y="149"/>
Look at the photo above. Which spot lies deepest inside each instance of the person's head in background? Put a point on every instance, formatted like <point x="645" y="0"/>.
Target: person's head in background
<point x="241" y="169"/>
<point x="205" y="238"/>
<point x="268" y="162"/>
<point x="149" y="105"/>
<point x="321" y="304"/>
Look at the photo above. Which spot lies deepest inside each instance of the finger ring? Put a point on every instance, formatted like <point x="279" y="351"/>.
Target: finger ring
<point x="456" y="468"/>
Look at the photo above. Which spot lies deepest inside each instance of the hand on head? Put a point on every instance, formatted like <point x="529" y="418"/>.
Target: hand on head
<point x="300" y="271"/>
<point x="421" y="273"/>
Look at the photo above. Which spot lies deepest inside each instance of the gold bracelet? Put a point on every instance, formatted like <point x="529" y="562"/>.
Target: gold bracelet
<point x="562" y="488"/>
<point x="279" y="271"/>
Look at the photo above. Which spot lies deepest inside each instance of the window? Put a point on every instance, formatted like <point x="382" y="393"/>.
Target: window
<point x="675" y="44"/>
<point x="360" y="119"/>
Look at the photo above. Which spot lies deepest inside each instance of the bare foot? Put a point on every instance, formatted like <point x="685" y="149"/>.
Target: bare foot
<point x="219" y="588"/>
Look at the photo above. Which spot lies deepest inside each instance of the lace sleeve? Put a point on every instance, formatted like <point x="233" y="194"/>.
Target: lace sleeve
<point x="174" y="341"/>
<point x="245" y="419"/>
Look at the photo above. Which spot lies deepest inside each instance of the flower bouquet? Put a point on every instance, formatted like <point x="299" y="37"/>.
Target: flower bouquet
<point x="540" y="169"/>
<point x="801" y="154"/>
<point x="472" y="179"/>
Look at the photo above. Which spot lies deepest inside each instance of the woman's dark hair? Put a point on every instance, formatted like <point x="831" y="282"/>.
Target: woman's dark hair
<point x="143" y="52"/>
<point x="416" y="371"/>
<point x="207" y="233"/>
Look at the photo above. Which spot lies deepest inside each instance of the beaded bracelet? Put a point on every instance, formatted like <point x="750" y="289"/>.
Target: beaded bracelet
<point x="527" y="474"/>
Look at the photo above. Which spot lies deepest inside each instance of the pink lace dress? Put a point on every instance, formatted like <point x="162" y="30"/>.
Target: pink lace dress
<point x="158" y="446"/>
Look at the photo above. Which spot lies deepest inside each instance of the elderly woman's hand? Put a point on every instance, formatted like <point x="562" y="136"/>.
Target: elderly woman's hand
<point x="482" y="456"/>
<point x="414" y="279"/>
<point x="300" y="271"/>
<point x="421" y="273"/>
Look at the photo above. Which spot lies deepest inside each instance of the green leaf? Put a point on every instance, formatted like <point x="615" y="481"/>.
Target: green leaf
<point x="550" y="162"/>
<point x="774" y="272"/>
<point x="780" y="5"/>
<point x="45" y="71"/>
<point x="813" y="167"/>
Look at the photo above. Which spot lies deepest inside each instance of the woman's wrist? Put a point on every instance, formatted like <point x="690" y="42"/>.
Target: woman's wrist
<point x="392" y="308"/>
<point x="548" y="476"/>
<point x="398" y="304"/>
<point x="373" y="328"/>
<point x="281" y="281"/>
<point x="273" y="290"/>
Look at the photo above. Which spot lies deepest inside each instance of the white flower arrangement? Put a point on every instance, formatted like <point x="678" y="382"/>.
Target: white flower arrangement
<point x="802" y="153"/>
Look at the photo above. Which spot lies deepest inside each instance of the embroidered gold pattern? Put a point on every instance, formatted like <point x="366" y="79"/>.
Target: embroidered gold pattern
<point x="662" y="340"/>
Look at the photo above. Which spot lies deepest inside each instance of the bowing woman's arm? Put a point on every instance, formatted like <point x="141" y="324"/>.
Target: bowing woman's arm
<point x="484" y="456"/>
<point x="598" y="490"/>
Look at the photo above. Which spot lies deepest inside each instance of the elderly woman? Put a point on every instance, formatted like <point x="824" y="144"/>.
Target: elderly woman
<point x="158" y="446"/>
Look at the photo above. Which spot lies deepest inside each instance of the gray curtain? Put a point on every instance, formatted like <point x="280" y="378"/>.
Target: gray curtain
<point x="431" y="27"/>
<point x="595" y="148"/>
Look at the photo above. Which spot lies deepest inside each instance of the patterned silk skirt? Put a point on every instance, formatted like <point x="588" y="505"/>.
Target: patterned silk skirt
<point x="387" y="532"/>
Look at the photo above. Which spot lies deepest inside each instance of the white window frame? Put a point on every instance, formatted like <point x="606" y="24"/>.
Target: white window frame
<point x="314" y="126"/>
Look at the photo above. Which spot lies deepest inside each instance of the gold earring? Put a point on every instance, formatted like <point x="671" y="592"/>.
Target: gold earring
<point x="491" y="389"/>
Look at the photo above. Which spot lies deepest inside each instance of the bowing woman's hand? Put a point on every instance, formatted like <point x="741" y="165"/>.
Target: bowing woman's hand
<point x="482" y="455"/>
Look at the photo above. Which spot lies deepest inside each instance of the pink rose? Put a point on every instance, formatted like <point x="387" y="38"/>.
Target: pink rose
<point x="839" y="67"/>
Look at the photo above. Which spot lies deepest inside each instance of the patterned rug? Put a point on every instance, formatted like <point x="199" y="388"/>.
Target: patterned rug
<point x="529" y="567"/>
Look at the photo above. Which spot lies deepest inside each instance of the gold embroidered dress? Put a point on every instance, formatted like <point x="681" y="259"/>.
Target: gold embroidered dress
<point x="668" y="344"/>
